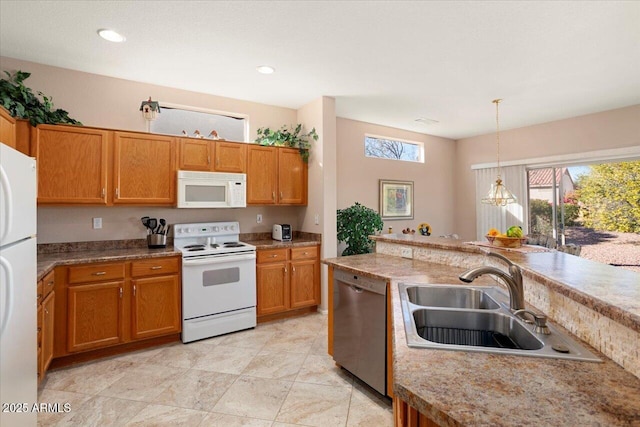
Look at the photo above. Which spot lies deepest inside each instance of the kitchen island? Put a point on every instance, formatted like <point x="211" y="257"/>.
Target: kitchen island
<point x="469" y="388"/>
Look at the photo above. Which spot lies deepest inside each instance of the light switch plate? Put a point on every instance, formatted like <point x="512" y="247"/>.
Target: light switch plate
<point x="259" y="218"/>
<point x="406" y="252"/>
<point x="97" y="223"/>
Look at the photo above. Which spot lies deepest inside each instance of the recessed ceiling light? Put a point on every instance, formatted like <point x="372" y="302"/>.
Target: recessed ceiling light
<point x="265" y="69"/>
<point x="111" y="36"/>
<point x="426" y="121"/>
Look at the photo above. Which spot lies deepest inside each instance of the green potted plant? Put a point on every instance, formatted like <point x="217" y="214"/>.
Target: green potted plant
<point x="22" y="103"/>
<point x="288" y="137"/>
<point x="355" y="224"/>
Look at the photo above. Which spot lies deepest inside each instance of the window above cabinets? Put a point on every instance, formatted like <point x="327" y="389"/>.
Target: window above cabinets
<point x="173" y="119"/>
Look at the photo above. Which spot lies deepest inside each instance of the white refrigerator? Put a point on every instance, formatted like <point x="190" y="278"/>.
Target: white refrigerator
<point x="18" y="301"/>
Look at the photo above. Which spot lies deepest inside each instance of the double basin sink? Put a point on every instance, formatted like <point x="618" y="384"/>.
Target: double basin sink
<point x="470" y="318"/>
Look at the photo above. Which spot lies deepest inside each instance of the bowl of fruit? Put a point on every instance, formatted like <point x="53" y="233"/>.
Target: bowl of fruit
<point x="513" y="238"/>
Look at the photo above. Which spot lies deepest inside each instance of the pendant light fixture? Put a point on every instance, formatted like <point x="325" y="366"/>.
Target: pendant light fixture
<point x="498" y="195"/>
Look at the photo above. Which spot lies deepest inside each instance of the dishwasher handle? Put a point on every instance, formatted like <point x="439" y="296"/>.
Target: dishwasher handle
<point x="360" y="284"/>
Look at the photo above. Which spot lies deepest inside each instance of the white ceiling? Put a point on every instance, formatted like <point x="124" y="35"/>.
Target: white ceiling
<point x="385" y="62"/>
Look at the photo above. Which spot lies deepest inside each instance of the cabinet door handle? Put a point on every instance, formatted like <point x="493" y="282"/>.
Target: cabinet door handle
<point x="39" y="329"/>
<point x="99" y="273"/>
<point x="217" y="162"/>
<point x="50" y="283"/>
<point x="46" y="311"/>
<point x="285" y="270"/>
<point x="120" y="292"/>
<point x="281" y="196"/>
<point x="208" y="160"/>
<point x="156" y="267"/>
<point x="273" y="256"/>
<point x="39" y="296"/>
<point x="293" y="269"/>
<point x="104" y="191"/>
<point x="134" y="290"/>
<point x="273" y="195"/>
<point x="117" y="192"/>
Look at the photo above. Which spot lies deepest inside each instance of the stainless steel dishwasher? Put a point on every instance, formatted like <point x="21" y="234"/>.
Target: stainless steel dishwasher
<point x="359" y="327"/>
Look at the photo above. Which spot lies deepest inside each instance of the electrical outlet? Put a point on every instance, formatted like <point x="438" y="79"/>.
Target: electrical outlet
<point x="317" y="219"/>
<point x="406" y="252"/>
<point x="97" y="223"/>
<point x="259" y="218"/>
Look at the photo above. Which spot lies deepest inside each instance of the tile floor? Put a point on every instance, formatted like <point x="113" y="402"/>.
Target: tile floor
<point x="276" y="375"/>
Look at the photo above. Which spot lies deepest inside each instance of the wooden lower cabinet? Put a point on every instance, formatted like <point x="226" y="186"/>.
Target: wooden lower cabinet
<point x="46" y="318"/>
<point x="272" y="281"/>
<point x="405" y="415"/>
<point x="287" y="279"/>
<point x="155" y="306"/>
<point x="94" y="316"/>
<point x="110" y="304"/>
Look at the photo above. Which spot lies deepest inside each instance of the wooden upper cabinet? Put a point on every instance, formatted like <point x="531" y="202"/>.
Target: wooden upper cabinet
<point x="144" y="169"/>
<point x="194" y="154"/>
<point x="23" y="136"/>
<point x="206" y="155"/>
<point x="262" y="175"/>
<point x="230" y="157"/>
<point x="292" y="177"/>
<point x="72" y="164"/>
<point x="7" y="128"/>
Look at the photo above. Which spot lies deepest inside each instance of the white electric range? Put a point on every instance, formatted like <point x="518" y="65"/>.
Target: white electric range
<point x="218" y="279"/>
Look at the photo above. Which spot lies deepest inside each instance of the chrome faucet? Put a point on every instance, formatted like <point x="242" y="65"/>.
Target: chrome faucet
<point x="513" y="280"/>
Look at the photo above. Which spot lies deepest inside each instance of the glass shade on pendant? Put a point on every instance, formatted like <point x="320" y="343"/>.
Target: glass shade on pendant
<point x="499" y="195"/>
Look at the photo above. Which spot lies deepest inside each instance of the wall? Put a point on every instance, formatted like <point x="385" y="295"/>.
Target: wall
<point x="321" y="114"/>
<point x="600" y="131"/>
<point x="114" y="103"/>
<point x="433" y="180"/>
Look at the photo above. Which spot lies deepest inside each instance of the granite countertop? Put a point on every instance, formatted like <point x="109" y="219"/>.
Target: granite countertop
<point x="275" y="244"/>
<point x="46" y="262"/>
<point x="458" y="388"/>
<point x="611" y="291"/>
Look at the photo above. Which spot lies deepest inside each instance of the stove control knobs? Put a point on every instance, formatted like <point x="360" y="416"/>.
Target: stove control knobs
<point x="215" y="228"/>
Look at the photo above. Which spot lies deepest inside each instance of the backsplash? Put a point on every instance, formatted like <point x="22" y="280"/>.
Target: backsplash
<point x="74" y="224"/>
<point x="49" y="248"/>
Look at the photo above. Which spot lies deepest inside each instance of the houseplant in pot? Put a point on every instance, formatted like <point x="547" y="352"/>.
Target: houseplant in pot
<point x="288" y="137"/>
<point x="355" y="224"/>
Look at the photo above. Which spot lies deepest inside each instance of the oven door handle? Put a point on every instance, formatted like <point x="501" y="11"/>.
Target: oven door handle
<point x="218" y="260"/>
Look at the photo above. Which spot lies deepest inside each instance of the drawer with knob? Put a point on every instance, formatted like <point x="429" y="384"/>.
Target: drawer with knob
<point x="272" y="255"/>
<point x="155" y="266"/>
<point x="95" y="273"/>
<point x="307" y="252"/>
<point x="48" y="283"/>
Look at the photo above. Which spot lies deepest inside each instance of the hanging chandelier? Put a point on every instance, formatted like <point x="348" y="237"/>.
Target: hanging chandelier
<point x="498" y="195"/>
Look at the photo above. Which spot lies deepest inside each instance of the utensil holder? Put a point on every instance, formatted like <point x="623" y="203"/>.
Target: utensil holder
<point x="156" y="241"/>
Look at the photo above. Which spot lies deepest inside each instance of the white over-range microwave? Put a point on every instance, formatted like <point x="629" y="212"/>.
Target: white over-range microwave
<point x="212" y="190"/>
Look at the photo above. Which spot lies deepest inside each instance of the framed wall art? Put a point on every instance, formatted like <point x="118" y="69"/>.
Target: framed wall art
<point x="396" y="199"/>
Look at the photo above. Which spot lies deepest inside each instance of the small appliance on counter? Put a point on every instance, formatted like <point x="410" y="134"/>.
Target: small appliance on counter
<point x="281" y="232"/>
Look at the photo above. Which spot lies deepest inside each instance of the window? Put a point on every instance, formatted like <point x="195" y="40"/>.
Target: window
<point x="592" y="209"/>
<point x="386" y="148"/>
<point x="173" y="119"/>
